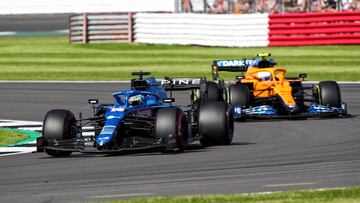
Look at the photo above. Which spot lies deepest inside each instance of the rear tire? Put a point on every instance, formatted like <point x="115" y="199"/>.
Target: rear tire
<point x="213" y="92"/>
<point x="239" y="95"/>
<point x="171" y="121"/>
<point x="58" y="125"/>
<point x="328" y="93"/>
<point x="216" y="124"/>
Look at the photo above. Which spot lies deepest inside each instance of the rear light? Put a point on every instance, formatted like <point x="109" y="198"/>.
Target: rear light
<point x="40" y="144"/>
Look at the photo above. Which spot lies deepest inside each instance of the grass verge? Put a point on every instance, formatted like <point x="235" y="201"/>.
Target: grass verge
<point x="53" y="58"/>
<point x="8" y="136"/>
<point x="348" y="195"/>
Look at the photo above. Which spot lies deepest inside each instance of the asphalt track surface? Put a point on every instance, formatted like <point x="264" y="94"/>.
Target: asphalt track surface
<point x="34" y="23"/>
<point x="265" y="156"/>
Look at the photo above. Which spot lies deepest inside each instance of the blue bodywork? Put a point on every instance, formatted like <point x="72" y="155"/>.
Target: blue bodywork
<point x="320" y="109"/>
<point x="269" y="111"/>
<point x="153" y="98"/>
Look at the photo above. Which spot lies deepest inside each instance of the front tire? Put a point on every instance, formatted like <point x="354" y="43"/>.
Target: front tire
<point x="58" y="125"/>
<point x="327" y="93"/>
<point x="171" y="126"/>
<point x="239" y="95"/>
<point x="216" y="124"/>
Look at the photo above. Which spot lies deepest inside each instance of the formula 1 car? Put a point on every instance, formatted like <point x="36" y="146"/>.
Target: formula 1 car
<point x="263" y="91"/>
<point x="141" y="118"/>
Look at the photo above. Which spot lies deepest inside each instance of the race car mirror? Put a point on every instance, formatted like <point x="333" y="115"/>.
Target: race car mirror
<point x="302" y="76"/>
<point x="93" y="101"/>
<point x="239" y="77"/>
<point x="263" y="54"/>
<point x="140" y="74"/>
<point x="214" y="72"/>
<point x="169" y="100"/>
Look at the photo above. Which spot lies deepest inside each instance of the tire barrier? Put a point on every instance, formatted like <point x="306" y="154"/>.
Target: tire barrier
<point x="298" y="29"/>
<point x="202" y="29"/>
<point x="100" y="27"/>
<point x="246" y="30"/>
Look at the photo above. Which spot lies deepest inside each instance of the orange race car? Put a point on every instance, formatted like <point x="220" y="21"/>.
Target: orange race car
<point x="263" y="91"/>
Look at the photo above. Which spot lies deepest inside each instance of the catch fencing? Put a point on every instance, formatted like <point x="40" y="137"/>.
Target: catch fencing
<point x="101" y="27"/>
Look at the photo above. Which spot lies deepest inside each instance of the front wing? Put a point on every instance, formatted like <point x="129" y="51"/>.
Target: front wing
<point x="268" y="112"/>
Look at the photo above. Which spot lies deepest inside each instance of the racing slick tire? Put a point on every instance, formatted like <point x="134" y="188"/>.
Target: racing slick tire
<point x="171" y="126"/>
<point x="328" y="93"/>
<point x="213" y="92"/>
<point x="58" y="125"/>
<point x="238" y="95"/>
<point x="216" y="123"/>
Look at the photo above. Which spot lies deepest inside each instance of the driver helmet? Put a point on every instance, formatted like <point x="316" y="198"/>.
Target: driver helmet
<point x="136" y="100"/>
<point x="264" y="76"/>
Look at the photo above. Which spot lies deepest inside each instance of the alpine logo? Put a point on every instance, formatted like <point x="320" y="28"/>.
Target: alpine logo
<point x="182" y="81"/>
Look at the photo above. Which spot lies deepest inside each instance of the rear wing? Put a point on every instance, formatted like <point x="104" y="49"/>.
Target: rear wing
<point x="230" y="66"/>
<point x="181" y="84"/>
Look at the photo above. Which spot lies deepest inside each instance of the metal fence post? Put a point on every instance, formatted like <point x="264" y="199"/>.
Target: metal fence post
<point x="205" y="6"/>
<point x="130" y="27"/>
<point x="70" y="29"/>
<point x="281" y="6"/>
<point x="85" y="28"/>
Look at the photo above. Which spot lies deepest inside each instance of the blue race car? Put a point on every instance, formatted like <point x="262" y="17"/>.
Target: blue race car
<point x="141" y="118"/>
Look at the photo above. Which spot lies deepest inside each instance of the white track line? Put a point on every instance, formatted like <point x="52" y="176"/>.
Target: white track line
<point x="16" y="150"/>
<point x="14" y="123"/>
<point x="38" y="129"/>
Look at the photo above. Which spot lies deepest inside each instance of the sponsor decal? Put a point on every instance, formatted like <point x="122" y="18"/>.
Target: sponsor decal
<point x="104" y="138"/>
<point x="145" y="113"/>
<point x="119" y="109"/>
<point x="237" y="110"/>
<point x="108" y="129"/>
<point x="112" y="117"/>
<point x="182" y="81"/>
<point x="234" y="63"/>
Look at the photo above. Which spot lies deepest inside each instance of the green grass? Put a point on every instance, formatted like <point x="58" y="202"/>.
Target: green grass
<point x="8" y="136"/>
<point x="53" y="58"/>
<point x="350" y="195"/>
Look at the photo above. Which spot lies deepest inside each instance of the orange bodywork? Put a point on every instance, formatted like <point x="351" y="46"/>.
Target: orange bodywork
<point x="268" y="82"/>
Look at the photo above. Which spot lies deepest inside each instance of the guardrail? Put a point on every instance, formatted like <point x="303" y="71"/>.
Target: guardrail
<point x="314" y="28"/>
<point x="101" y="27"/>
<point x="202" y="29"/>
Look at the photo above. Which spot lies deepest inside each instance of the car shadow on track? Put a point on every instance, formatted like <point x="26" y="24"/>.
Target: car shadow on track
<point x="295" y="119"/>
<point x="192" y="148"/>
<point x="243" y="143"/>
